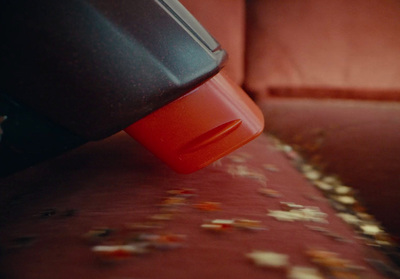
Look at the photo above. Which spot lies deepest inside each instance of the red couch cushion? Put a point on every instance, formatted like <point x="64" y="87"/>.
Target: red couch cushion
<point x="358" y="140"/>
<point x="311" y="43"/>
<point x="116" y="184"/>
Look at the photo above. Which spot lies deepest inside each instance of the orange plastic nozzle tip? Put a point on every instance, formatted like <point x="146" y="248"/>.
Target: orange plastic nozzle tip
<point x="200" y="127"/>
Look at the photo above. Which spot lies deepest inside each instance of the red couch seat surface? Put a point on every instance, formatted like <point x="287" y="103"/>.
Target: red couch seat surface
<point x="116" y="183"/>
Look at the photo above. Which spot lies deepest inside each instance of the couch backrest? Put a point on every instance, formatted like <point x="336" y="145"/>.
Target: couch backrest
<point x="343" y="44"/>
<point x="225" y="20"/>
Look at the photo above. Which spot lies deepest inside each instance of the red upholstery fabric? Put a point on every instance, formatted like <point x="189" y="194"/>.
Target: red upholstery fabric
<point x="358" y="140"/>
<point x="339" y="49"/>
<point x="225" y="20"/>
<point x="115" y="182"/>
<point x="335" y="93"/>
<point x="345" y="44"/>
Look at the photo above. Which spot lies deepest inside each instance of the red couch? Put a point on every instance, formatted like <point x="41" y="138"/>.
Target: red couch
<point x="110" y="209"/>
<point x="325" y="75"/>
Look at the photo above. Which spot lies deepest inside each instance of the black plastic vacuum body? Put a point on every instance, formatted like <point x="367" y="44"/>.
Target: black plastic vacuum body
<point x="81" y="70"/>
